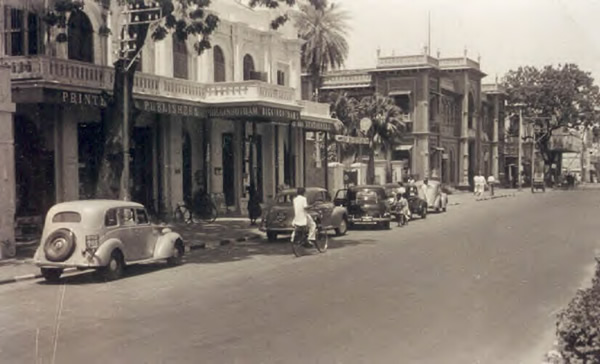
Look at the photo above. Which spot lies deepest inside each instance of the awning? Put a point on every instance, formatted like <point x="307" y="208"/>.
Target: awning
<point x="403" y="147"/>
<point x="399" y="93"/>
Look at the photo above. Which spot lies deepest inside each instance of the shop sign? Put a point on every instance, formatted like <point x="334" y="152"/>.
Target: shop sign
<point x="249" y="111"/>
<point x="169" y="108"/>
<point x="82" y="98"/>
<point x="318" y="125"/>
<point x="351" y="140"/>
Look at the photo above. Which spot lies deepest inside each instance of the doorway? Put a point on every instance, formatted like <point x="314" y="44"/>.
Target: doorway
<point x="90" y="137"/>
<point x="471" y="162"/>
<point x="228" y="169"/>
<point x="186" y="156"/>
<point x="259" y="167"/>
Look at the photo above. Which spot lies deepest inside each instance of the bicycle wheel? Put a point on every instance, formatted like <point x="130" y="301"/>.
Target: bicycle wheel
<point x="322" y="242"/>
<point x="299" y="244"/>
<point x="210" y="215"/>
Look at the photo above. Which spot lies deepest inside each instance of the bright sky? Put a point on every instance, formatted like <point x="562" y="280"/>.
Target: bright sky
<point x="506" y="33"/>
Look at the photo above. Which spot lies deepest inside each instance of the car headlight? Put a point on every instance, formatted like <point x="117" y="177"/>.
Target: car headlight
<point x="92" y="242"/>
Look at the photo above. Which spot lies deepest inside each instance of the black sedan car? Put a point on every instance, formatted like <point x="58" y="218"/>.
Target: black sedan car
<point x="367" y="205"/>
<point x="416" y="204"/>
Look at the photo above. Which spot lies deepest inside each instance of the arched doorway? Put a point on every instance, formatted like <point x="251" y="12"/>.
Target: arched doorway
<point x="80" y="37"/>
<point x="180" y="58"/>
<point x="248" y="67"/>
<point x="219" y="64"/>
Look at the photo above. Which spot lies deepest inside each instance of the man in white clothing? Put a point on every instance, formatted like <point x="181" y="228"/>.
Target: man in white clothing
<point x="301" y="215"/>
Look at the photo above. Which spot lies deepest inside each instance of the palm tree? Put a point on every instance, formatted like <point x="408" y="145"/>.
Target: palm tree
<point x="385" y="127"/>
<point x="323" y="29"/>
<point x="345" y="109"/>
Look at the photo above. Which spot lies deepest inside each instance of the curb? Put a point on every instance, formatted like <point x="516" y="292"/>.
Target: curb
<point x="27" y="277"/>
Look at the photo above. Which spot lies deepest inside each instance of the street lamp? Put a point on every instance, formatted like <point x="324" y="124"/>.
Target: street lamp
<point x="135" y="15"/>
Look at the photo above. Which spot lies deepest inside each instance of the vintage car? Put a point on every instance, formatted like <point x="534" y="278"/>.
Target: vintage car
<point x="416" y="204"/>
<point x="366" y="204"/>
<point x="278" y="216"/>
<point x="437" y="199"/>
<point x="392" y="190"/>
<point x="104" y="235"/>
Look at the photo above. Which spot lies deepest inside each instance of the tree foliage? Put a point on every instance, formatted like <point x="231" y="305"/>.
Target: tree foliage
<point x="324" y="28"/>
<point x="553" y="97"/>
<point x="385" y="128"/>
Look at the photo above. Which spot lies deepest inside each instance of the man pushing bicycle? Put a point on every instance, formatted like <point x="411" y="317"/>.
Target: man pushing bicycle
<point x="302" y="217"/>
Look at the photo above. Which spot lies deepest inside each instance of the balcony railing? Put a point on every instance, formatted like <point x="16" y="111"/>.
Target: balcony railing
<point x="346" y="79"/>
<point x="86" y="75"/>
<point x="407" y="61"/>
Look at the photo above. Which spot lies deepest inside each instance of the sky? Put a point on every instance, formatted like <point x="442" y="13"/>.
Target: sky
<point x="505" y="33"/>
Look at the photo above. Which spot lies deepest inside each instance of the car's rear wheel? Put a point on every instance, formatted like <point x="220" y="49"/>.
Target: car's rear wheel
<point x="114" y="269"/>
<point x="177" y="257"/>
<point x="271" y="236"/>
<point x="343" y="228"/>
<point x="51" y="274"/>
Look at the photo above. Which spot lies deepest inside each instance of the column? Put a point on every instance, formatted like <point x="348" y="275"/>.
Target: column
<point x="495" y="154"/>
<point x="66" y="156"/>
<point x="238" y="141"/>
<point x="175" y="160"/>
<point x="7" y="167"/>
<point x="421" y="131"/>
<point x="463" y="157"/>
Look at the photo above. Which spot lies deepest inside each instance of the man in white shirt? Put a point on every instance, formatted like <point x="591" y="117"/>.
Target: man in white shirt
<point x="425" y="189"/>
<point x="302" y="217"/>
<point x="491" y="181"/>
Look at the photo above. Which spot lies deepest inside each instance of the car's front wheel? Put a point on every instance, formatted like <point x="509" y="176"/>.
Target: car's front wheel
<point x="342" y="228"/>
<point x="424" y="212"/>
<point x="51" y="274"/>
<point x="114" y="268"/>
<point x="177" y="257"/>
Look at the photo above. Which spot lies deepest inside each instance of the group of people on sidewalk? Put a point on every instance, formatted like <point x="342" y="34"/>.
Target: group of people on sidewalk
<point x="480" y="183"/>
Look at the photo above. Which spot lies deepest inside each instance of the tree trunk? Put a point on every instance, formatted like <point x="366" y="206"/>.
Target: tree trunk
<point x="388" y="163"/>
<point x="371" y="167"/>
<point x="111" y="165"/>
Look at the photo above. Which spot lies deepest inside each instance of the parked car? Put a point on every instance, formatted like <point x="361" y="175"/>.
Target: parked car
<point x="367" y="205"/>
<point x="416" y="204"/>
<point x="104" y="235"/>
<point x="437" y="199"/>
<point x="392" y="190"/>
<point x="278" y="216"/>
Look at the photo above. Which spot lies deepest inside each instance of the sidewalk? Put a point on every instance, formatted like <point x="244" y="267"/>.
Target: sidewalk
<point x="223" y="231"/>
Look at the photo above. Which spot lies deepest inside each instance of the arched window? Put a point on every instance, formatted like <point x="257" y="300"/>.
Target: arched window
<point x="219" y="64"/>
<point x="180" y="58"/>
<point x="80" y="37"/>
<point x="248" y="67"/>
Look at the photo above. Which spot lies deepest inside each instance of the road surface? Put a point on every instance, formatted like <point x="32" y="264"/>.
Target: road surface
<point x="481" y="283"/>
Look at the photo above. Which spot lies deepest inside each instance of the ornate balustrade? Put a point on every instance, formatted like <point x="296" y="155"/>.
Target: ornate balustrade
<point x="86" y="75"/>
<point x="407" y="61"/>
<point x="346" y="79"/>
<point x="458" y="62"/>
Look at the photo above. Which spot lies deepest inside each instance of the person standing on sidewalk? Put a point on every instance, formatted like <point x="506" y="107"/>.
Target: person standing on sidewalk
<point x="491" y="181"/>
<point x="254" y="209"/>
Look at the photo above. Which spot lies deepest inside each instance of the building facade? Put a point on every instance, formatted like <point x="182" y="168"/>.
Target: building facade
<point x="221" y="121"/>
<point x="453" y="121"/>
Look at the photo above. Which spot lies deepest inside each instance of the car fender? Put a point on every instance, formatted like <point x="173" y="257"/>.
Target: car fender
<point x="164" y="245"/>
<point x="337" y="215"/>
<point x="104" y="251"/>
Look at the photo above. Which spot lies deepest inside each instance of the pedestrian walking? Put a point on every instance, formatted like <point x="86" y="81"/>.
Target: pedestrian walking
<point x="254" y="209"/>
<point x="491" y="181"/>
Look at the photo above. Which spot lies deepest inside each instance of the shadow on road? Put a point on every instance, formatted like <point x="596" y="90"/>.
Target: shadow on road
<point x="246" y="250"/>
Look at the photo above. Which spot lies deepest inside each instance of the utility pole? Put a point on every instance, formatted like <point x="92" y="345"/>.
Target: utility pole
<point x="135" y="15"/>
<point x="520" y="151"/>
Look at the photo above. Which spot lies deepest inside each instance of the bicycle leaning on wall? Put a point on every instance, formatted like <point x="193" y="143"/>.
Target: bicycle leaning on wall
<point x="201" y="208"/>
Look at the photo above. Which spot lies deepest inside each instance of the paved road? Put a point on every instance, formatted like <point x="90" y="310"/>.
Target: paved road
<point x="479" y="284"/>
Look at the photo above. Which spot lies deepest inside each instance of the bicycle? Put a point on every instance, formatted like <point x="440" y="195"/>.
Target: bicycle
<point x="206" y="212"/>
<point x="301" y="244"/>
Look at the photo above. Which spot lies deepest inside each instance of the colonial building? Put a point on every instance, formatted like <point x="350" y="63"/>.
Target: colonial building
<point x="217" y="121"/>
<point x="454" y="122"/>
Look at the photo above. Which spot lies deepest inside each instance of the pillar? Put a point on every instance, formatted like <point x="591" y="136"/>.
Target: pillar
<point x="495" y="154"/>
<point x="66" y="156"/>
<point x="463" y="157"/>
<point x="7" y="167"/>
<point x="420" y="163"/>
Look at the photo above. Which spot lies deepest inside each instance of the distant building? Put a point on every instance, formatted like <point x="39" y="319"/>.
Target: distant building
<point x="454" y="122"/>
